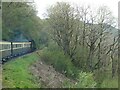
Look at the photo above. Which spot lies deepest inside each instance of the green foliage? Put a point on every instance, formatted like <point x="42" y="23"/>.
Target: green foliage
<point x="105" y="80"/>
<point x="85" y="80"/>
<point x="16" y="73"/>
<point x="0" y="26"/>
<point x="110" y="83"/>
<point x="20" y="17"/>
<point x="43" y="41"/>
<point x="55" y="56"/>
<point x="81" y="58"/>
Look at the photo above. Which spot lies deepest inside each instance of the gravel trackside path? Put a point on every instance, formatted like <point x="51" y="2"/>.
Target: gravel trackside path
<point x="47" y="75"/>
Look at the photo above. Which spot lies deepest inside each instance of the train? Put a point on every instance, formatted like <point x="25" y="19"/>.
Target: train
<point x="13" y="49"/>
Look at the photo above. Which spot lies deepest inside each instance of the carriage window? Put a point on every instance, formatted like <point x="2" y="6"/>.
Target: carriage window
<point x="24" y="45"/>
<point x="14" y="45"/>
<point x="18" y="45"/>
<point x="27" y="45"/>
<point x="6" y="46"/>
<point x="0" y="46"/>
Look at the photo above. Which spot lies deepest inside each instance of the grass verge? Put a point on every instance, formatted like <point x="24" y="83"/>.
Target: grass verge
<point x="16" y="73"/>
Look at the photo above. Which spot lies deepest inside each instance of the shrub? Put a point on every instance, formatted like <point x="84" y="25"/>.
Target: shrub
<point x="110" y="83"/>
<point x="55" y="56"/>
<point x="85" y="80"/>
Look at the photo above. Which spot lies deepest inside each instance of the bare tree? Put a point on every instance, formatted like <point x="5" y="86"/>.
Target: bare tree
<point x="84" y="28"/>
<point x="64" y="27"/>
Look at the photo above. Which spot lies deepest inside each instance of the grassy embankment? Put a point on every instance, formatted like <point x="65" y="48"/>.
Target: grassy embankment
<point x="16" y="73"/>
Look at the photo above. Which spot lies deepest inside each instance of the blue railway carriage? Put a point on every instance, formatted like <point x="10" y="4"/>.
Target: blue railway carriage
<point x="5" y="49"/>
<point x="19" y="48"/>
<point x="12" y="49"/>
